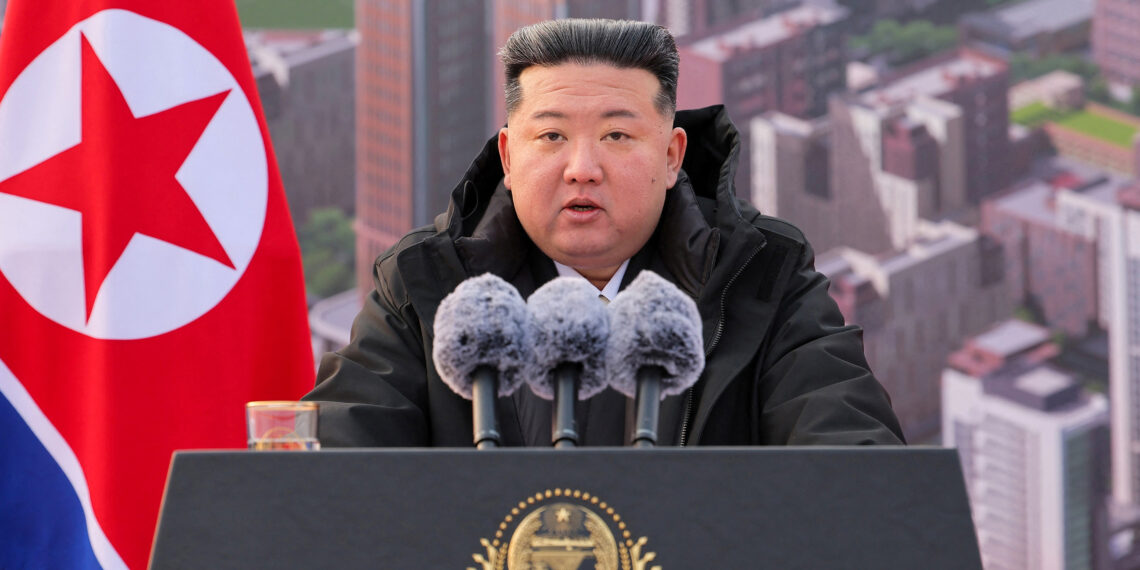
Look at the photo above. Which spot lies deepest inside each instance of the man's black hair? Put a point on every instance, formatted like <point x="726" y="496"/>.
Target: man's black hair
<point x="621" y="43"/>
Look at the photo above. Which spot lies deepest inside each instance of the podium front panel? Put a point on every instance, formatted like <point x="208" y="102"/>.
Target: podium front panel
<point x="858" y="508"/>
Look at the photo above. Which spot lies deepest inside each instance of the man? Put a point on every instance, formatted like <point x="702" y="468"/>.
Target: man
<point x="596" y="175"/>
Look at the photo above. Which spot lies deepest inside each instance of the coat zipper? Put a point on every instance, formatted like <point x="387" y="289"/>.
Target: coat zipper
<point x="688" y="417"/>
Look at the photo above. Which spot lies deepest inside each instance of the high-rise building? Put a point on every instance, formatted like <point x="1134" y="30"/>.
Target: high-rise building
<point x="1115" y="34"/>
<point x="1108" y="214"/>
<point x="422" y="77"/>
<point x="915" y="305"/>
<point x="788" y="62"/>
<point x="1033" y="448"/>
<point x="306" y="81"/>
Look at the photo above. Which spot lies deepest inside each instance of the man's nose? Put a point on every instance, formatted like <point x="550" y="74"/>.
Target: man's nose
<point x="583" y="165"/>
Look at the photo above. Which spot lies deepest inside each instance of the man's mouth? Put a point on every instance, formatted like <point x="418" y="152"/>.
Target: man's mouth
<point x="581" y="205"/>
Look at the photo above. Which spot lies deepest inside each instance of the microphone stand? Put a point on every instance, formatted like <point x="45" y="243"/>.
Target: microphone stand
<point x="648" y="405"/>
<point x="485" y="418"/>
<point x="565" y="425"/>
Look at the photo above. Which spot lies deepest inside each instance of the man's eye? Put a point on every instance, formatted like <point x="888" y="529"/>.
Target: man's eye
<point x="552" y="137"/>
<point x="615" y="136"/>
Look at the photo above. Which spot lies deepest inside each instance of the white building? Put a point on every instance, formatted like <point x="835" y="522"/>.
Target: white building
<point x="868" y="184"/>
<point x="1109" y="213"/>
<point x="1031" y="442"/>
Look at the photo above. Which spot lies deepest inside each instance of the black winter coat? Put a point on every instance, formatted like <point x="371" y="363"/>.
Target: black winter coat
<point x="782" y="368"/>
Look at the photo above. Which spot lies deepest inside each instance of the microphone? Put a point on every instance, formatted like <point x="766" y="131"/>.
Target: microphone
<point x="655" y="348"/>
<point x="570" y="326"/>
<point x="482" y="342"/>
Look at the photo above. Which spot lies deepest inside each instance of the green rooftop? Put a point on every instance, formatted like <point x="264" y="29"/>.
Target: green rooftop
<point x="1085" y="122"/>
<point x="296" y="14"/>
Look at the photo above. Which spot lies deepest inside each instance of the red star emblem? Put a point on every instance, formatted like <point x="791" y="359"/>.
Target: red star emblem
<point x="120" y="177"/>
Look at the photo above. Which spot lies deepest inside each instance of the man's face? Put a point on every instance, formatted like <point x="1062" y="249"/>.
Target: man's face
<point x="588" y="158"/>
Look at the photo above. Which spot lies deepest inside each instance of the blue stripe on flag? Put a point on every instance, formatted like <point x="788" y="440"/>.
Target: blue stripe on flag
<point x="41" y="520"/>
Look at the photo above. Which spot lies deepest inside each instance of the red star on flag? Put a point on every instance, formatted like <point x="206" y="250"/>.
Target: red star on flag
<point x="122" y="176"/>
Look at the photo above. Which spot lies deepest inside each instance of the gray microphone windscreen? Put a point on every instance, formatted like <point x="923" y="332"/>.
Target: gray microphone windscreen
<point x="653" y="323"/>
<point x="483" y="322"/>
<point x="570" y="325"/>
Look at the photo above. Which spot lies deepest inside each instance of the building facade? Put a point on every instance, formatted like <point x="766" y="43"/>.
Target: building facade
<point x="927" y="144"/>
<point x="422" y="89"/>
<point x="978" y="84"/>
<point x="1108" y="213"/>
<point x="1048" y="269"/>
<point x="915" y="306"/>
<point x="306" y="81"/>
<point x="1037" y="28"/>
<point x="788" y="62"/>
<point x="1115" y="34"/>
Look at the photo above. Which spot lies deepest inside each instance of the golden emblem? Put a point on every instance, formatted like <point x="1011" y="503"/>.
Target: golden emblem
<point x="563" y="529"/>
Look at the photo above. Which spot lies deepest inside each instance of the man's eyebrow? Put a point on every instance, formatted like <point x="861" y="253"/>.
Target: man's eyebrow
<point x="549" y="115"/>
<point x="613" y="113"/>
<point x="619" y="113"/>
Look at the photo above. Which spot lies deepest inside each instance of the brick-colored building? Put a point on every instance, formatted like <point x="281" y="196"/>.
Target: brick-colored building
<point x="915" y="306"/>
<point x="421" y="114"/>
<point x="978" y="84"/>
<point x="788" y="62"/>
<point x="1115" y="35"/>
<point x="1047" y="268"/>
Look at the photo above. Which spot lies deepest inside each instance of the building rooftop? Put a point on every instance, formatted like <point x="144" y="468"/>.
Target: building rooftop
<point x="1031" y="203"/>
<point x="1024" y="20"/>
<point x="933" y="239"/>
<point x="1044" y="381"/>
<point x="1105" y="190"/>
<point x="790" y="125"/>
<point x="939" y="77"/>
<point x="833" y="262"/>
<point x="331" y="318"/>
<point x="1011" y="337"/>
<point x="275" y="51"/>
<point x="767" y="31"/>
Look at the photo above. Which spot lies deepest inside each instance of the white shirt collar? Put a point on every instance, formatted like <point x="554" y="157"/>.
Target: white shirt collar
<point x="610" y="290"/>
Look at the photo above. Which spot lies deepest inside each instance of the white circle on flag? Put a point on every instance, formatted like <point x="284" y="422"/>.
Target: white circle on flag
<point x="155" y="287"/>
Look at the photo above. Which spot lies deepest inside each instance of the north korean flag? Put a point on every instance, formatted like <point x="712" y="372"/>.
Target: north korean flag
<point x="150" y="280"/>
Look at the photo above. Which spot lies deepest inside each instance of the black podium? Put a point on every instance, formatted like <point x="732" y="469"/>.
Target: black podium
<point x="621" y="508"/>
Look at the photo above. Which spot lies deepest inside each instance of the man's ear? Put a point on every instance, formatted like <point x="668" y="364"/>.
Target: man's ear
<point x="674" y="154"/>
<point x="505" y="157"/>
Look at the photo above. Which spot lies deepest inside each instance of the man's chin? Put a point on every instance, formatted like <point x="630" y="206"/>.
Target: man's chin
<point x="587" y="260"/>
